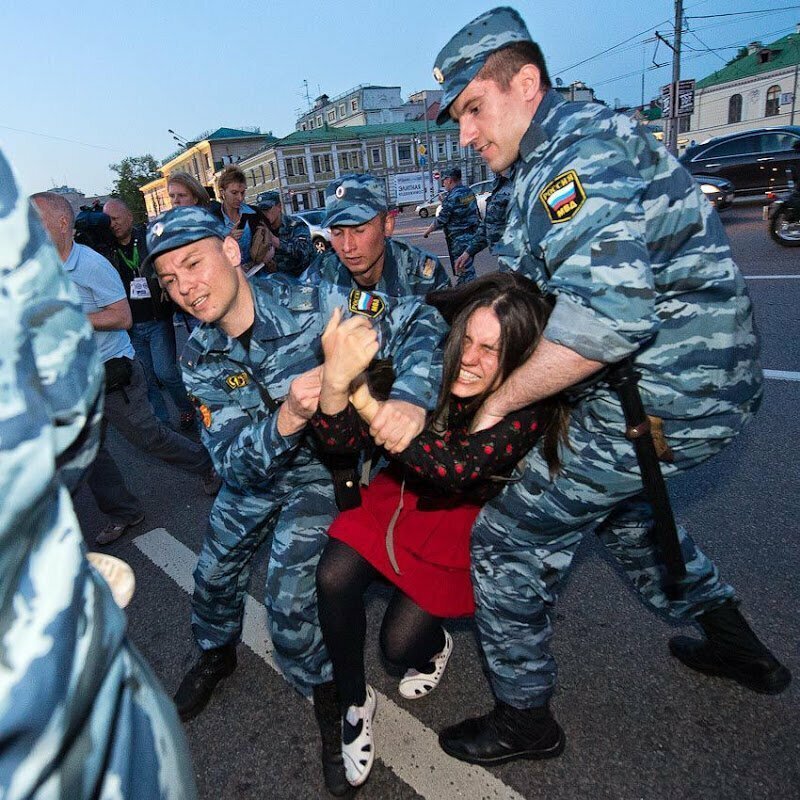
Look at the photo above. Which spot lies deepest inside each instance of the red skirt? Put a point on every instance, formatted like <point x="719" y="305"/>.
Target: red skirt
<point x="431" y="546"/>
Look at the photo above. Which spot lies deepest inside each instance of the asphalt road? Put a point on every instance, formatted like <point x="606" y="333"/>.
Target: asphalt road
<point x="638" y="724"/>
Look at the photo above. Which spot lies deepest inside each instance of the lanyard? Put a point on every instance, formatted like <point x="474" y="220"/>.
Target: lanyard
<point x="131" y="263"/>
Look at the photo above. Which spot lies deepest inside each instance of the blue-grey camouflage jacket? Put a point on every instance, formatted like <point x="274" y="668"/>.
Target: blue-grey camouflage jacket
<point x="407" y="270"/>
<point x="459" y="213"/>
<point x="237" y="392"/>
<point x="602" y="217"/>
<point x="490" y="231"/>
<point x="296" y="250"/>
<point x="61" y="630"/>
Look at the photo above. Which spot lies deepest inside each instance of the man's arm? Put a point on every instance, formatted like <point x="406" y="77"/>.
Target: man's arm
<point x="114" y="317"/>
<point x="550" y="369"/>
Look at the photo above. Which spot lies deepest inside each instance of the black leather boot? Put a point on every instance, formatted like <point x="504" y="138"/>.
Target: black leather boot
<point x="198" y="683"/>
<point x="731" y="650"/>
<point x="504" y="734"/>
<point x="329" y="719"/>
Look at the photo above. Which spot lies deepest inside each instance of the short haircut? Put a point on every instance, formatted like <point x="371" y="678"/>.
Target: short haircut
<point x="502" y="65"/>
<point x="231" y="174"/>
<point x="55" y="204"/>
<point x="192" y="185"/>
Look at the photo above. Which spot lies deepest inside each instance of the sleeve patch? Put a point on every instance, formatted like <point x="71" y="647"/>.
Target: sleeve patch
<point x="563" y="197"/>
<point x="366" y="304"/>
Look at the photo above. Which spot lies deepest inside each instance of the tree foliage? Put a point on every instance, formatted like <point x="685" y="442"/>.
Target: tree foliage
<point x="134" y="172"/>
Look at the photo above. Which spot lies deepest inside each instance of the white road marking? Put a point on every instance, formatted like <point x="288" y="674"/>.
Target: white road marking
<point x="781" y="375"/>
<point x="771" y="277"/>
<point x="409" y="748"/>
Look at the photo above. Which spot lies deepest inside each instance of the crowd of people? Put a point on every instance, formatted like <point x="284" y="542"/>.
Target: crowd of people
<point x="363" y="420"/>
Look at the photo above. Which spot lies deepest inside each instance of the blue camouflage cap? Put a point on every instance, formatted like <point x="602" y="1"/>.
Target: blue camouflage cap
<point x="267" y="200"/>
<point x="353" y="200"/>
<point x="462" y="58"/>
<point x="452" y="172"/>
<point x="178" y="227"/>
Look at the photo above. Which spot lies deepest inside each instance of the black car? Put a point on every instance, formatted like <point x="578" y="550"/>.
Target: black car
<point x="754" y="161"/>
<point x="718" y="191"/>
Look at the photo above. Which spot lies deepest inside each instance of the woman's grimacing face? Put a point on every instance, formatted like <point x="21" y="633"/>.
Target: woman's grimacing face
<point x="480" y="353"/>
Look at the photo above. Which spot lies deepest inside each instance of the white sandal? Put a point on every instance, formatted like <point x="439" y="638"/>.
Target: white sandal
<point x="359" y="754"/>
<point x="414" y="685"/>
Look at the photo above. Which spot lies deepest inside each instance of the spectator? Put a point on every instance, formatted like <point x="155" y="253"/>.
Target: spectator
<point x="152" y="333"/>
<point x="185" y="190"/>
<point x="126" y="408"/>
<point x="239" y="218"/>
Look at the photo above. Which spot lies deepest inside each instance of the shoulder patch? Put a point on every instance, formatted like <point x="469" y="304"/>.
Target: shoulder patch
<point x="366" y="304"/>
<point x="428" y="268"/>
<point x="563" y="197"/>
<point x="238" y="381"/>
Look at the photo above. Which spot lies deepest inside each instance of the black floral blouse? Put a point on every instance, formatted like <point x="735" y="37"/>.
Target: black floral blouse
<point x="449" y="462"/>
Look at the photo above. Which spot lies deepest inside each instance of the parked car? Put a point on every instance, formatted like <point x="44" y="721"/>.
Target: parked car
<point x="754" y="161"/>
<point x="720" y="192"/>
<point x="428" y="207"/>
<point x="482" y="191"/>
<point x="320" y="237"/>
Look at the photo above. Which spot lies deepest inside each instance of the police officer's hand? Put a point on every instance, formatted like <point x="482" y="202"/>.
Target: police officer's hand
<point x="396" y="423"/>
<point x="301" y="402"/>
<point x="485" y="418"/>
<point x="348" y="347"/>
<point x="461" y="262"/>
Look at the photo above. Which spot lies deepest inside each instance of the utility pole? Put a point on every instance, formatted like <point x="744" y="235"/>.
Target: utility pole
<point x="427" y="145"/>
<point x="672" y="142"/>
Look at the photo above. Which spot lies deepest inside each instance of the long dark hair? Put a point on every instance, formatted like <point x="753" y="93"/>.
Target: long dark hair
<point x="522" y="311"/>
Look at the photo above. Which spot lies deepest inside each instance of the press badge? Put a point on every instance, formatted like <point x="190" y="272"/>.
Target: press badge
<point x="139" y="289"/>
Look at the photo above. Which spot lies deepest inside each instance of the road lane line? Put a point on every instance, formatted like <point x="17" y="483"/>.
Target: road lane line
<point x="409" y="748"/>
<point x="781" y="375"/>
<point x="771" y="277"/>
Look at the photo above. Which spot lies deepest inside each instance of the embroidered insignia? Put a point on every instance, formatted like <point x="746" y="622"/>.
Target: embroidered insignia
<point x="157" y="229"/>
<point x="563" y="197"/>
<point x="438" y="75"/>
<point x="428" y="268"/>
<point x="340" y="190"/>
<point x="366" y="304"/>
<point x="238" y="381"/>
<point x="205" y="415"/>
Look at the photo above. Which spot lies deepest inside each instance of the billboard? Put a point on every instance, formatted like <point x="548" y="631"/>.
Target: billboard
<point x="409" y="187"/>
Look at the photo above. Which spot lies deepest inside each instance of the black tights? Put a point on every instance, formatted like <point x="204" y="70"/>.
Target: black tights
<point x="410" y="637"/>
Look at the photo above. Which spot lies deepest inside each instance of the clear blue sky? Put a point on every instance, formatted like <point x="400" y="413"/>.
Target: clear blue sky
<point x="111" y="78"/>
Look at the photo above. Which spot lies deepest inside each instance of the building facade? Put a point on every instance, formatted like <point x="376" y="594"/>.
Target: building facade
<point x="204" y="159"/>
<point x="302" y="164"/>
<point x="362" y="105"/>
<point x="756" y="90"/>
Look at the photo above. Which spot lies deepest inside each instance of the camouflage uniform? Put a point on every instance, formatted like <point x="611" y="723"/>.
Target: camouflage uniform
<point x="81" y="715"/>
<point x="296" y="250"/>
<point x="276" y="483"/>
<point x="603" y="219"/>
<point x="494" y="220"/>
<point x="353" y="200"/>
<point x="460" y="219"/>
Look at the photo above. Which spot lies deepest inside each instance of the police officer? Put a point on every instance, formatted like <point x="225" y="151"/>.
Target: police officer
<point x="253" y="369"/>
<point x="610" y="225"/>
<point x="460" y="219"/>
<point x="364" y="254"/>
<point x="490" y="231"/>
<point x="290" y="237"/>
<point x="77" y="700"/>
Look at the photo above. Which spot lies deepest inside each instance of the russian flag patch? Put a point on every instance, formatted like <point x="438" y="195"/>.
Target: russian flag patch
<point x="563" y="197"/>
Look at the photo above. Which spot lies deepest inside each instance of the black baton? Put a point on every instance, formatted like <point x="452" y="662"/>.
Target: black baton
<point x="623" y="378"/>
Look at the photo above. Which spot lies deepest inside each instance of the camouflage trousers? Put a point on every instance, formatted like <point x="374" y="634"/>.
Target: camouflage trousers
<point x="456" y="245"/>
<point x="524" y="540"/>
<point x="297" y="511"/>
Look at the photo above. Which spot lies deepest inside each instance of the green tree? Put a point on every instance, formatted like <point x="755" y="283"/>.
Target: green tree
<point x="134" y="172"/>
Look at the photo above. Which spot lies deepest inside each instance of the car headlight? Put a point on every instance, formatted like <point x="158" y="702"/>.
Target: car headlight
<point x="708" y="188"/>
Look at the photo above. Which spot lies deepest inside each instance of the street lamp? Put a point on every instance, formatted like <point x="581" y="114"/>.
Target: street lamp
<point x="181" y="140"/>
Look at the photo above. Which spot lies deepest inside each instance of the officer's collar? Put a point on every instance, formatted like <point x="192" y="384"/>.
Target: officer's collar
<point x="537" y="134"/>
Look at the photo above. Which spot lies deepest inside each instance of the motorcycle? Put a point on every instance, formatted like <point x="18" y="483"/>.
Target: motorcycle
<point x="784" y="217"/>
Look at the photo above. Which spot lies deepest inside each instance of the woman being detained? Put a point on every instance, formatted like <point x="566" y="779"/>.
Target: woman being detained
<point x="413" y="524"/>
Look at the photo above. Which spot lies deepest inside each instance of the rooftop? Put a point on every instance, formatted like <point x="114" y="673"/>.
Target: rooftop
<point x="783" y="53"/>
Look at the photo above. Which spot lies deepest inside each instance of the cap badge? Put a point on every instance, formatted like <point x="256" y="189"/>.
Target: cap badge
<point x="157" y="229"/>
<point x="438" y="75"/>
<point x="340" y="190"/>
